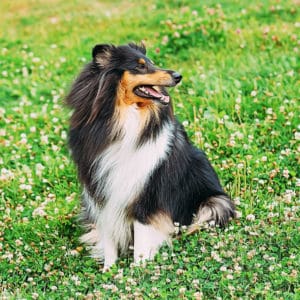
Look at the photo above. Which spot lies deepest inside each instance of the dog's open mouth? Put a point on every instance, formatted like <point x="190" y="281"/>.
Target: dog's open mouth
<point x="152" y="92"/>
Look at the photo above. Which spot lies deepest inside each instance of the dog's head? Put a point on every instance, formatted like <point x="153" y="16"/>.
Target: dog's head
<point x="141" y="82"/>
<point x="119" y="77"/>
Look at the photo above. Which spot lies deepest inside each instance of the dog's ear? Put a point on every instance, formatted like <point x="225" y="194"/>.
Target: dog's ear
<point x="141" y="47"/>
<point x="102" y="54"/>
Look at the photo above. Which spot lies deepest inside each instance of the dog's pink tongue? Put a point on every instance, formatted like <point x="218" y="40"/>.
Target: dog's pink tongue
<point x="156" y="94"/>
<point x="153" y="92"/>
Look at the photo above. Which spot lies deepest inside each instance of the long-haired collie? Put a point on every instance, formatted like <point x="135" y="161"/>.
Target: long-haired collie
<point x="139" y="171"/>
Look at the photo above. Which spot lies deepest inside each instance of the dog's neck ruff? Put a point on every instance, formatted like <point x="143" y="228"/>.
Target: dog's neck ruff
<point x="125" y="166"/>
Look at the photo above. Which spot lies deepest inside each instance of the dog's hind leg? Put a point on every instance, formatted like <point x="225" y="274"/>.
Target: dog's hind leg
<point x="217" y="210"/>
<point x="92" y="237"/>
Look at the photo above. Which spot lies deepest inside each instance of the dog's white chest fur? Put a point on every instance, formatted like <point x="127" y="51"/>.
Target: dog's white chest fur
<point x="123" y="169"/>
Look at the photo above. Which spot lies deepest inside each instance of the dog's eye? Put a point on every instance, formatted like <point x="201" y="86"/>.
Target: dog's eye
<point x="142" y="66"/>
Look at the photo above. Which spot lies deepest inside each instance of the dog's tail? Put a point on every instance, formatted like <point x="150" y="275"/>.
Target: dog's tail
<point x="217" y="210"/>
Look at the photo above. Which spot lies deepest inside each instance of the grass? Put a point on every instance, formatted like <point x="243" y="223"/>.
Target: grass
<point x="239" y="101"/>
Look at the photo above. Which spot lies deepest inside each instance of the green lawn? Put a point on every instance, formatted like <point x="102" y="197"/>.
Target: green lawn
<point x="239" y="100"/>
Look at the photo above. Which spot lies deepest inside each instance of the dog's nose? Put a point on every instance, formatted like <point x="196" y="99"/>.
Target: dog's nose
<point x="177" y="77"/>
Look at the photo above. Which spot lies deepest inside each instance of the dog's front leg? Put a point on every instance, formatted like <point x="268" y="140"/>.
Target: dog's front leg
<point x="147" y="240"/>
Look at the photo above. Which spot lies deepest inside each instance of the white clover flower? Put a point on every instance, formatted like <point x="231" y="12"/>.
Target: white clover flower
<point x="195" y="281"/>
<point x="25" y="72"/>
<point x="250" y="217"/>
<point x="286" y="173"/>
<point x="185" y="123"/>
<point x="191" y="92"/>
<point x="237" y="107"/>
<point x="36" y="59"/>
<point x="251" y="253"/>
<point x="198" y="295"/>
<point x="39" y="169"/>
<point x="18" y="242"/>
<point x="237" y="268"/>
<point x="33" y="115"/>
<point x="269" y="111"/>
<point x="47" y="267"/>
<point x="2" y="112"/>
<point x="72" y="252"/>
<point x="44" y="139"/>
<point x="240" y="166"/>
<point x="26" y="187"/>
<point x="165" y="40"/>
<point x="216" y="256"/>
<point x="288" y="195"/>
<point x="55" y="148"/>
<point x="39" y="211"/>
<point x="223" y="268"/>
<point x="75" y="279"/>
<point x="63" y="135"/>
<point x="6" y="174"/>
<point x="253" y="93"/>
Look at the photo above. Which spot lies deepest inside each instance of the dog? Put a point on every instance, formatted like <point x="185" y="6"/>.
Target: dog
<point x="139" y="172"/>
